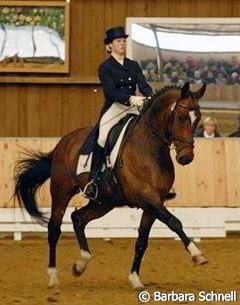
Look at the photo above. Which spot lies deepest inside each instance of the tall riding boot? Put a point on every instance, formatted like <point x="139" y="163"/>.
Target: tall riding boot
<point x="91" y="191"/>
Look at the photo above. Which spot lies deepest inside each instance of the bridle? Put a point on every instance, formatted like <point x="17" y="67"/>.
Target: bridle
<point x="168" y="139"/>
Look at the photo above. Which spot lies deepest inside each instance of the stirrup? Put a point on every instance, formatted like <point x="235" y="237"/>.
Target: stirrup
<point x="85" y="191"/>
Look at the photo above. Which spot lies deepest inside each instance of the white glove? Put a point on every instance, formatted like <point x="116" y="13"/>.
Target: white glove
<point x="136" y="100"/>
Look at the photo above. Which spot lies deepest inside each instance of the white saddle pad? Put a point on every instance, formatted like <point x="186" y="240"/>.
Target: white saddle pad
<point x="84" y="162"/>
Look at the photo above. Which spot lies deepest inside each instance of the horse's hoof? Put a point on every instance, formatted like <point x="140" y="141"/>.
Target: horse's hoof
<point x="134" y="279"/>
<point x="53" y="285"/>
<point x="76" y="272"/>
<point x="53" y="277"/>
<point x="199" y="259"/>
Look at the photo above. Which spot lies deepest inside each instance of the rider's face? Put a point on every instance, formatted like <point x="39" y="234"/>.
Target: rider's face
<point x="118" y="46"/>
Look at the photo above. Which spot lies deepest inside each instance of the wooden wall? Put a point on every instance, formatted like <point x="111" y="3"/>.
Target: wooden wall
<point x="46" y="110"/>
<point x="212" y="179"/>
<point x="34" y="105"/>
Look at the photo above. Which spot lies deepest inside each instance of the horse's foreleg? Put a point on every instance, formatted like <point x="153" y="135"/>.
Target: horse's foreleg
<point x="176" y="226"/>
<point x="80" y="219"/>
<point x="141" y="245"/>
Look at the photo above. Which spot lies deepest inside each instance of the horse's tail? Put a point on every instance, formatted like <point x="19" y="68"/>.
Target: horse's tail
<point x="30" y="174"/>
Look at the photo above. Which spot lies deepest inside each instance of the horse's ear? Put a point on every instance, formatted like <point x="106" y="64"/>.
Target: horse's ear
<point x="185" y="91"/>
<point x="200" y="92"/>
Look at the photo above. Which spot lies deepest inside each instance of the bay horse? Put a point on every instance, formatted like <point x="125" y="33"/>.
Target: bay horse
<point x="144" y="170"/>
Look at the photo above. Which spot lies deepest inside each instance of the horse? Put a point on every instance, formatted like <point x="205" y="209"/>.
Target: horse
<point x="144" y="170"/>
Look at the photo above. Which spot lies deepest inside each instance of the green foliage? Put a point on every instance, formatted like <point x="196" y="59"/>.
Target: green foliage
<point x="52" y="17"/>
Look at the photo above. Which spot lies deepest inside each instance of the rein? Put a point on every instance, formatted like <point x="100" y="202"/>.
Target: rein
<point x="116" y="116"/>
<point x="154" y="132"/>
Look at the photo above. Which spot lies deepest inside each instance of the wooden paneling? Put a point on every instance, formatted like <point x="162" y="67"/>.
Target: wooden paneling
<point x="47" y="110"/>
<point x="52" y="110"/>
<point x="211" y="180"/>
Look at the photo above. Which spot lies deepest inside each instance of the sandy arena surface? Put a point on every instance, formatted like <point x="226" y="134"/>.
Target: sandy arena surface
<point x="166" y="267"/>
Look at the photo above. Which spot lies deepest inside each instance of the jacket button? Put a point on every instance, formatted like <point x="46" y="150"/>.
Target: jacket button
<point x="121" y="79"/>
<point x="129" y="87"/>
<point x="129" y="78"/>
<point x="121" y="87"/>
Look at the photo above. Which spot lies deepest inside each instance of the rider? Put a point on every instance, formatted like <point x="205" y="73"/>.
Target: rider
<point x="119" y="77"/>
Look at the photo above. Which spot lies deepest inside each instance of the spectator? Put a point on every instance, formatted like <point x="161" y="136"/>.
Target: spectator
<point x="210" y="78"/>
<point x="204" y="72"/>
<point x="153" y="77"/>
<point x="234" y="80"/>
<point x="197" y="78"/>
<point x="167" y="68"/>
<point x="180" y="83"/>
<point x="188" y="69"/>
<point x="210" y="70"/>
<point x="208" y="129"/>
<point x="220" y="79"/>
<point x="145" y="73"/>
<point x="174" y="77"/>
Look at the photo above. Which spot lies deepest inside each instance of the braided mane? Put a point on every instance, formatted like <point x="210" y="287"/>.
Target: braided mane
<point x="158" y="93"/>
<point x="163" y="90"/>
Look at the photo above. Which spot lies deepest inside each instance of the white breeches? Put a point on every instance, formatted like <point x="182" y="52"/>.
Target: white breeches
<point x="111" y="117"/>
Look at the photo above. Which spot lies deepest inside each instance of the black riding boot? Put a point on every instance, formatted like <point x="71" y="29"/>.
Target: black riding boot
<point x="91" y="191"/>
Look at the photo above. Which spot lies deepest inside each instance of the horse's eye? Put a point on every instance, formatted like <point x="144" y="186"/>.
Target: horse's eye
<point x="183" y="118"/>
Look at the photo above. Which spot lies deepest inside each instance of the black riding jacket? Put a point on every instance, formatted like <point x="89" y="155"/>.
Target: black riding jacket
<point x="119" y="82"/>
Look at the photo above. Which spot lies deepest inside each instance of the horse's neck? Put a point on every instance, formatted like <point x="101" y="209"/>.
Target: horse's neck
<point x="150" y="153"/>
<point x="158" y="116"/>
<point x="145" y="134"/>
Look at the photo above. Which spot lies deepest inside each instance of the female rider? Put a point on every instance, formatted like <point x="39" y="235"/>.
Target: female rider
<point x="119" y="77"/>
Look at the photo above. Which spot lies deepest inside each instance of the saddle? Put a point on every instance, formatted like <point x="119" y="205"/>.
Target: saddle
<point x="107" y="179"/>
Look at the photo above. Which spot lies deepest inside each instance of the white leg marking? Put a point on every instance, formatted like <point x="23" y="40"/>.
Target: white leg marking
<point x="83" y="261"/>
<point x="134" y="279"/>
<point x="194" y="251"/>
<point x="53" y="277"/>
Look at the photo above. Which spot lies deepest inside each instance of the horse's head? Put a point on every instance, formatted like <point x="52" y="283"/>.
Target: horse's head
<point x="173" y="117"/>
<point x="184" y="118"/>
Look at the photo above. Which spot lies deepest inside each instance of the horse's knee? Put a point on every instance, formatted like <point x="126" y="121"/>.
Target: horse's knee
<point x="54" y="231"/>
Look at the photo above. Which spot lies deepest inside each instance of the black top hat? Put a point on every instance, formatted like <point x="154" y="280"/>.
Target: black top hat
<point x="113" y="33"/>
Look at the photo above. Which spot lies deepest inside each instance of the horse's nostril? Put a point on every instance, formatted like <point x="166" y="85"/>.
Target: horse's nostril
<point x="184" y="160"/>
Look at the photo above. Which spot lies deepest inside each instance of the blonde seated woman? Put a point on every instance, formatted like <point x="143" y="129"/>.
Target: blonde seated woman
<point x="209" y="129"/>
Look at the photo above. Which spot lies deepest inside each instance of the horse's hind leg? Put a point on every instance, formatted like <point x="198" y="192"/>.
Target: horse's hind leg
<point x="80" y="219"/>
<point x="141" y="245"/>
<point x="61" y="196"/>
